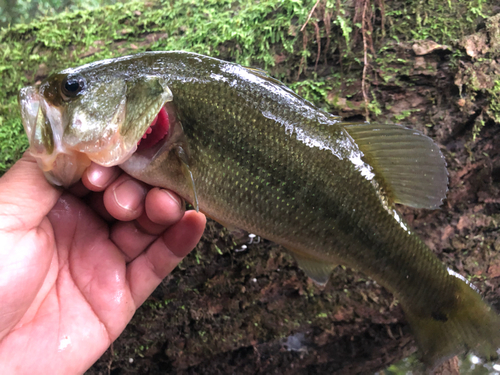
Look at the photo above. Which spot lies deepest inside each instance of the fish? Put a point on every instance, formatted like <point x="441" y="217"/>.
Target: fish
<point x="247" y="151"/>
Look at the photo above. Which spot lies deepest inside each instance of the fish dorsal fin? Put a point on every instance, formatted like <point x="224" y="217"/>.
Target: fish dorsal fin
<point x="265" y="76"/>
<point x="258" y="71"/>
<point x="407" y="163"/>
<point x="318" y="270"/>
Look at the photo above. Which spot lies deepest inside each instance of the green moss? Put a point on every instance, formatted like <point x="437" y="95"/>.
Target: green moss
<point x="315" y="90"/>
<point x="494" y="105"/>
<point x="441" y="21"/>
<point x="404" y="115"/>
<point x="478" y="77"/>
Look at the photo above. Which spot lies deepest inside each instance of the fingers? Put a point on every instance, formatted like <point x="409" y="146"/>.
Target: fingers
<point x="78" y="189"/>
<point x="158" y="202"/>
<point x="116" y="195"/>
<point x="127" y="199"/>
<point x="121" y="197"/>
<point x="162" y="209"/>
<point x="131" y="239"/>
<point x="98" y="178"/>
<point x="124" y="198"/>
<point x="145" y="273"/>
<point x="96" y="202"/>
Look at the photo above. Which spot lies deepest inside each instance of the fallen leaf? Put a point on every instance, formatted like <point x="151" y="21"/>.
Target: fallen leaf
<point x="424" y="47"/>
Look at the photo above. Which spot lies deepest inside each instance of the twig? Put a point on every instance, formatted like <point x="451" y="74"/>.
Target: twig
<point x="309" y="16"/>
<point x="327" y="19"/>
<point x="381" y="5"/>
<point x="303" y="59"/>
<point x="365" y="60"/>
<point x="337" y="13"/>
<point x="318" y="41"/>
<point x="110" y="361"/>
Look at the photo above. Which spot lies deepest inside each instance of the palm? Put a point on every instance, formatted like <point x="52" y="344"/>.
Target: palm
<point x="84" y="287"/>
<point x="71" y="282"/>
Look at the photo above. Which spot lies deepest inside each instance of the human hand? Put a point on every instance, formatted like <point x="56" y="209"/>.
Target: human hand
<point x="71" y="276"/>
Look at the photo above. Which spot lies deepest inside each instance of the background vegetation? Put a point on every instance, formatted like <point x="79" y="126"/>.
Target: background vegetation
<point x="25" y="11"/>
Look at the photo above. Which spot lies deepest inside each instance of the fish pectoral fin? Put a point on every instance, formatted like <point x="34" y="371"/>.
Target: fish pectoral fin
<point x="407" y="163"/>
<point x="184" y="160"/>
<point x="318" y="270"/>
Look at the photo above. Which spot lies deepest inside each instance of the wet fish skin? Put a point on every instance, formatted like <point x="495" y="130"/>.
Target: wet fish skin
<point x="281" y="186"/>
<point x="267" y="161"/>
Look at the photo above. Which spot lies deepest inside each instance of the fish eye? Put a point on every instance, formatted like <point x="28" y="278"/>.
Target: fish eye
<point x="72" y="86"/>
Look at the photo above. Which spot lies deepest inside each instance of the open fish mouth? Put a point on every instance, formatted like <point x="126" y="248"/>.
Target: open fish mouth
<point x="156" y="132"/>
<point x="65" y="137"/>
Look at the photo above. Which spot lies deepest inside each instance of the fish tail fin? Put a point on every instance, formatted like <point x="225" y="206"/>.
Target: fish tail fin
<point x="469" y="324"/>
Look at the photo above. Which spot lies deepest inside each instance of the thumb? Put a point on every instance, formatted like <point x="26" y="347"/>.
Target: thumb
<point x="25" y="195"/>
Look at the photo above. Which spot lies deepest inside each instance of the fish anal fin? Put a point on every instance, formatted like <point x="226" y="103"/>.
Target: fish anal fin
<point x="407" y="163"/>
<point x="318" y="270"/>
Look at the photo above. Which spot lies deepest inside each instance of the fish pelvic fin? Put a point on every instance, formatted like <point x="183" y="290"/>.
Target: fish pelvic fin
<point x="407" y="163"/>
<point x="186" y="170"/>
<point x="471" y="325"/>
<point x="318" y="270"/>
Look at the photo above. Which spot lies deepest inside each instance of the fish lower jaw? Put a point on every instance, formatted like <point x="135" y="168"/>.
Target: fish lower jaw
<point x="63" y="168"/>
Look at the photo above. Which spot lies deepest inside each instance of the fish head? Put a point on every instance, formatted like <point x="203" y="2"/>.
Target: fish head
<point x="76" y="117"/>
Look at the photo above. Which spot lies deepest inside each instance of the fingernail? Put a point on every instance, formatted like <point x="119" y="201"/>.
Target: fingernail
<point x="130" y="195"/>
<point x="174" y="197"/>
<point x="99" y="177"/>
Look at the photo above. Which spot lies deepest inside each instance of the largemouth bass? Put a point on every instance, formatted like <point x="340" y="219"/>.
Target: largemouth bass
<point x="251" y="154"/>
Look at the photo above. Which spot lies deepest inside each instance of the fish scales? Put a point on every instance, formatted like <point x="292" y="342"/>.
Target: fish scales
<point x="308" y="197"/>
<point x="251" y="154"/>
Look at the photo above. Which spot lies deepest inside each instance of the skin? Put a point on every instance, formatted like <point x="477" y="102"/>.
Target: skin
<point x="75" y="265"/>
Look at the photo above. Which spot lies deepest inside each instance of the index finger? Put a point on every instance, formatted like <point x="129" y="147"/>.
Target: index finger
<point x="98" y="178"/>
